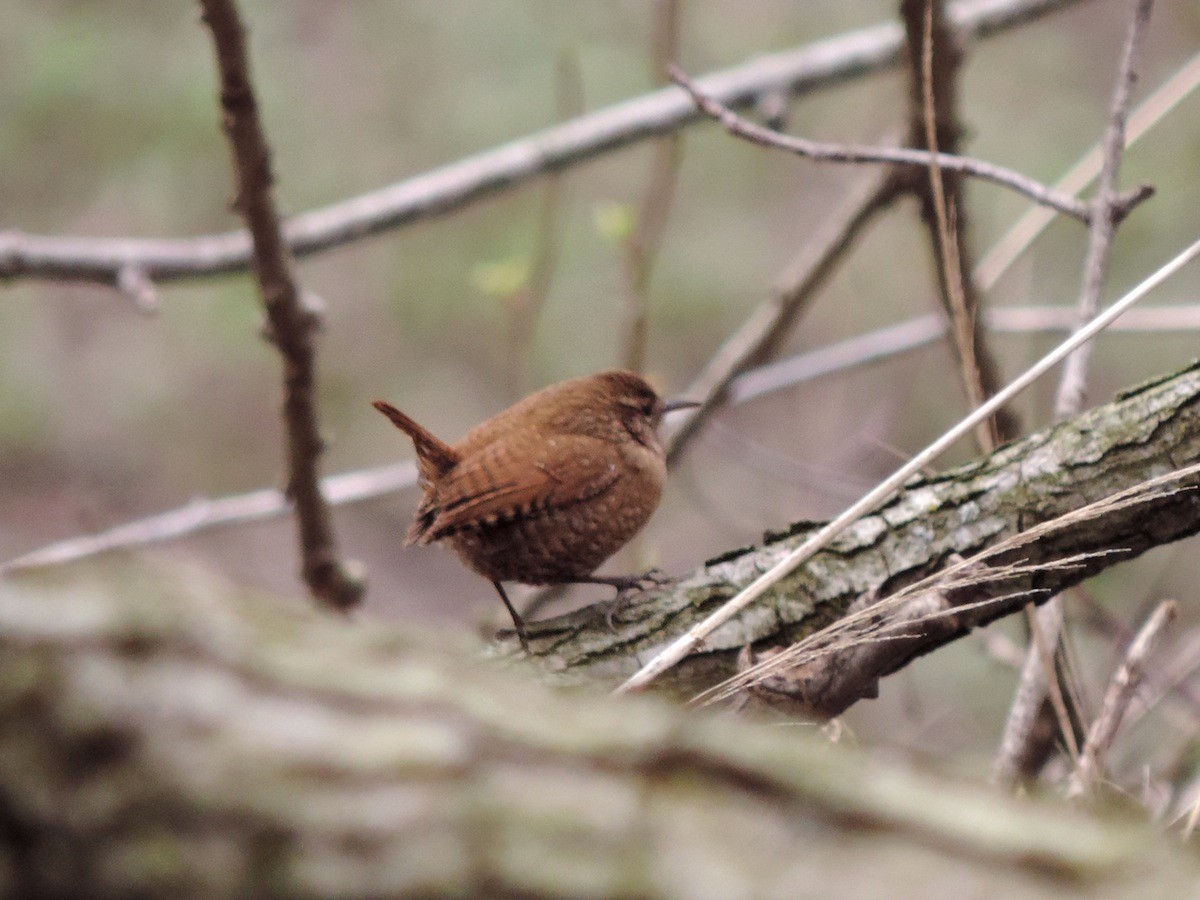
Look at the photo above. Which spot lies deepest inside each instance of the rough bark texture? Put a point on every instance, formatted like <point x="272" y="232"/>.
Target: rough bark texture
<point x="164" y="736"/>
<point x="1146" y="432"/>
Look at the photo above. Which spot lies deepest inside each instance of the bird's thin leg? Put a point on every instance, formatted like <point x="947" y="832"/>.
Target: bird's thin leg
<point x="518" y="622"/>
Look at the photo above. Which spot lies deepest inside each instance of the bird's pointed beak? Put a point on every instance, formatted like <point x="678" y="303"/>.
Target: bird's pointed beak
<point x="672" y="405"/>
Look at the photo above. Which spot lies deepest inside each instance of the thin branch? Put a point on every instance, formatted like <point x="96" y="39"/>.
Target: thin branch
<point x="133" y="283"/>
<point x="201" y="515"/>
<point x="290" y="325"/>
<point x="686" y="643"/>
<point x="1171" y="679"/>
<point x="1120" y="692"/>
<point x="900" y="156"/>
<point x="1107" y="212"/>
<point x="1047" y="622"/>
<point x="935" y="59"/>
<point x="451" y="187"/>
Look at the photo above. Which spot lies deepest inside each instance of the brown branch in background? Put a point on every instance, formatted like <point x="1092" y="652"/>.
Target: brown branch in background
<point x="458" y="184"/>
<point x="1058" y="719"/>
<point x="650" y="222"/>
<point x="1116" y="701"/>
<point x="290" y="325"/>
<point x="1107" y="213"/>
<point x="1170" y="678"/>
<point x="817" y="151"/>
<point x="1023" y="748"/>
<point x="935" y="59"/>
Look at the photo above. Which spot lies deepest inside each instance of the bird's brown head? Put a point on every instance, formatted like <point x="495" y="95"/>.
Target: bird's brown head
<point x="613" y="405"/>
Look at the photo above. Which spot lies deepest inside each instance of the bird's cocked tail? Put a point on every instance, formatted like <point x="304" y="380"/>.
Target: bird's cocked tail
<point x="434" y="456"/>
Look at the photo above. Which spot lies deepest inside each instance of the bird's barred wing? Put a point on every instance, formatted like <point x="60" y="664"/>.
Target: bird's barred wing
<point x="513" y="477"/>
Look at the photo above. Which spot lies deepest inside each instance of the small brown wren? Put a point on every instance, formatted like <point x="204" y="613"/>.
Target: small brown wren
<point x="548" y="489"/>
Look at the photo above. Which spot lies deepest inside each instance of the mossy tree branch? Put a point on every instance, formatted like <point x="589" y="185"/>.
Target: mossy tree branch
<point x="1145" y="433"/>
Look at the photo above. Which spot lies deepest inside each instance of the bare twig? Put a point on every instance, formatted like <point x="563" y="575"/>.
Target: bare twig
<point x="290" y="324"/>
<point x="935" y="59"/>
<point x="458" y="184"/>
<point x="1038" y="676"/>
<point x="133" y="283"/>
<point x="1170" y="679"/>
<point x="1120" y="692"/>
<point x="686" y="643"/>
<point x="201" y="515"/>
<point x="1107" y="212"/>
<point x="901" y="156"/>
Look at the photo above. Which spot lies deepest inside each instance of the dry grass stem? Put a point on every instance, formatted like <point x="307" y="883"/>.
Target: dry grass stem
<point x="986" y="569"/>
<point x="963" y="314"/>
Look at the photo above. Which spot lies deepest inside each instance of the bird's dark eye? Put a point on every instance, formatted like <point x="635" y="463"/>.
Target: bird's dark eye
<point x="649" y="408"/>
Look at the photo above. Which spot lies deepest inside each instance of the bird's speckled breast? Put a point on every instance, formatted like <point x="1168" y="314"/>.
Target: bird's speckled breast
<point x="549" y="546"/>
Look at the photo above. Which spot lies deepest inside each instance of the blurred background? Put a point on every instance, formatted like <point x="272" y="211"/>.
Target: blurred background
<point x="110" y="128"/>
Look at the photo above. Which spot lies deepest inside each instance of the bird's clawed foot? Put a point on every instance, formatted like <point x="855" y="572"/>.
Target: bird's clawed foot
<point x="650" y="579"/>
<point x="625" y="584"/>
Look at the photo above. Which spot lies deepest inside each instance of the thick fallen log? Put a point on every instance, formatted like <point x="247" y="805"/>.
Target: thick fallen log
<point x="164" y="735"/>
